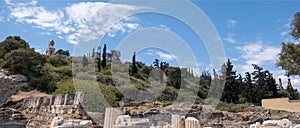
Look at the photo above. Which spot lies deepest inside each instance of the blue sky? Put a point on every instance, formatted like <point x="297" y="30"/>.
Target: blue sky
<point x="250" y="31"/>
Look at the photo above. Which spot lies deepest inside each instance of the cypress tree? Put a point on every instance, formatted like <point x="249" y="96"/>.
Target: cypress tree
<point x="134" y="68"/>
<point x="104" y="57"/>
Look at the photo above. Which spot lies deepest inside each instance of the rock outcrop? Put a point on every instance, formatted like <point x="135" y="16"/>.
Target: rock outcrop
<point x="10" y="84"/>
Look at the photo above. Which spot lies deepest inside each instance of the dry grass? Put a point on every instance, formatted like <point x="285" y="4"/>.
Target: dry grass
<point x="32" y="94"/>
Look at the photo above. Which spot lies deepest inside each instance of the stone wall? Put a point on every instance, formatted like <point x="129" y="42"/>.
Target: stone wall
<point x="281" y="104"/>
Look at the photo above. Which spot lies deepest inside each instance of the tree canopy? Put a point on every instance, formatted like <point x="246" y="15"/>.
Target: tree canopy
<point x="289" y="58"/>
<point x="12" y="43"/>
<point x="43" y="72"/>
<point x="295" y="32"/>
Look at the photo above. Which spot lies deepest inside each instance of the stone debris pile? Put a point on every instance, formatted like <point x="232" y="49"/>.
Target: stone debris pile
<point x="114" y="118"/>
<point x="284" y="123"/>
<point x="60" y="122"/>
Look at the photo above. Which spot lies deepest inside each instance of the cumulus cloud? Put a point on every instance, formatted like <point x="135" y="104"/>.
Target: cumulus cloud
<point x="257" y="52"/>
<point x="261" y="53"/>
<point x="230" y="39"/>
<point x="231" y="23"/>
<point x="40" y="17"/>
<point x="78" y="22"/>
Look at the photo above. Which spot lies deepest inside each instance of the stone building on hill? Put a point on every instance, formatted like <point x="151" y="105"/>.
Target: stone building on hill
<point x="50" y="51"/>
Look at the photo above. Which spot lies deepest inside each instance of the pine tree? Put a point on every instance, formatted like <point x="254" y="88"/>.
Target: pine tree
<point x="264" y="84"/>
<point x="230" y="93"/>
<point x="156" y="63"/>
<point x="249" y="88"/>
<point x="272" y="86"/>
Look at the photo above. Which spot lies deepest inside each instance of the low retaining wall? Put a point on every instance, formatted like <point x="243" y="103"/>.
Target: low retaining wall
<point x="281" y="104"/>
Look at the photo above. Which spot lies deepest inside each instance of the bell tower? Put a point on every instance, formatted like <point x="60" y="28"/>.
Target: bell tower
<point x="50" y="50"/>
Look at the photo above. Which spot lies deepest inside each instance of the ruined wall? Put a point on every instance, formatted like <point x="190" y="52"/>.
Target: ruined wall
<point x="281" y="104"/>
<point x="41" y="110"/>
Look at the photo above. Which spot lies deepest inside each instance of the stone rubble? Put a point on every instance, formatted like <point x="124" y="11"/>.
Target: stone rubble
<point x="284" y="123"/>
<point x="60" y="122"/>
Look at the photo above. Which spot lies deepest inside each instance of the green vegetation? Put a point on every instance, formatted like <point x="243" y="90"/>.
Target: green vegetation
<point x="42" y="71"/>
<point x="53" y="74"/>
<point x="230" y="107"/>
<point x="290" y="52"/>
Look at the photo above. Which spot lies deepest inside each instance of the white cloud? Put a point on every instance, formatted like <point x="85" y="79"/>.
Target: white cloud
<point x="7" y="2"/>
<point x="284" y="30"/>
<point x="60" y="37"/>
<point x="196" y="71"/>
<point x="163" y="26"/>
<point x="287" y="24"/>
<point x="45" y="33"/>
<point x="38" y="50"/>
<point x="284" y="33"/>
<point x="230" y="39"/>
<point x="165" y="56"/>
<point x="234" y="59"/>
<point x="79" y="22"/>
<point x="295" y="80"/>
<point x="123" y="27"/>
<point x="39" y="17"/>
<point x="160" y="54"/>
<point x="149" y="53"/>
<point x="103" y="21"/>
<point x="258" y="52"/>
<point x="231" y="23"/>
